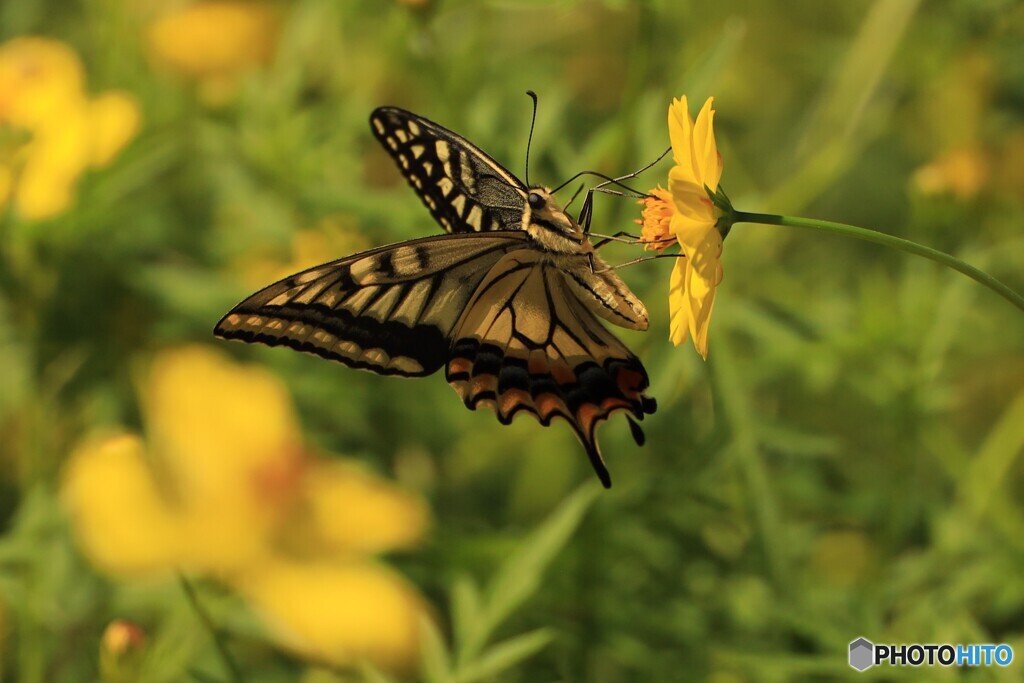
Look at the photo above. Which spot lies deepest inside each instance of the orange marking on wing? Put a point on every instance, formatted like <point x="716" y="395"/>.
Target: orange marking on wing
<point x="587" y="415"/>
<point x="629" y="381"/>
<point x="513" y="398"/>
<point x="457" y="365"/>
<point x="548" y="404"/>
<point x="537" y="364"/>
<point x="562" y="373"/>
<point x="482" y="383"/>
<point x="611" y="404"/>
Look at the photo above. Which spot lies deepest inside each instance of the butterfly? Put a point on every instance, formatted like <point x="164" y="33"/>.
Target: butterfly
<point x="509" y="301"/>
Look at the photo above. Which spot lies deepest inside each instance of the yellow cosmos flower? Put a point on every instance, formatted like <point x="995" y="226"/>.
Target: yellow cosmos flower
<point x="224" y="486"/>
<point x="214" y="42"/>
<point x="961" y="173"/>
<point x="62" y="131"/>
<point x="686" y="212"/>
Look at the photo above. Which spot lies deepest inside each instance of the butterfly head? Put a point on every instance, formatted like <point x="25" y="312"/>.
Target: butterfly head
<point x="549" y="224"/>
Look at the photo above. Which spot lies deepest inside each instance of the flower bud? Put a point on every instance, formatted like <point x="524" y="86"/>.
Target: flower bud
<point x="122" y="650"/>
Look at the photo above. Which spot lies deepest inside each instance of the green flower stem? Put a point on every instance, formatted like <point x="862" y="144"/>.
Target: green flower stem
<point x="218" y="640"/>
<point x="979" y="276"/>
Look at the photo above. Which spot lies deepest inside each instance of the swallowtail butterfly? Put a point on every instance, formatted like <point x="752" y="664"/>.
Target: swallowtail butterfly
<point x="509" y="302"/>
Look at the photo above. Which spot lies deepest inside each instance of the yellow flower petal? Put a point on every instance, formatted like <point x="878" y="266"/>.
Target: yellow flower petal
<point x="690" y="200"/>
<point x="678" y="304"/>
<point x="709" y="163"/>
<point x="339" y="613"/>
<point x="122" y="523"/>
<point x="360" y="513"/>
<point x="216" y="37"/>
<point x="114" y="120"/>
<point x="39" y="80"/>
<point x="217" y="422"/>
<point x="43" y="192"/>
<point x="229" y="442"/>
<point x="691" y="301"/>
<point x="680" y="132"/>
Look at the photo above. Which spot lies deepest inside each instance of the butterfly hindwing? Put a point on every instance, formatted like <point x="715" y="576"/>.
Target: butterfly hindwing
<point x="526" y="343"/>
<point x="464" y="188"/>
<point x="391" y="310"/>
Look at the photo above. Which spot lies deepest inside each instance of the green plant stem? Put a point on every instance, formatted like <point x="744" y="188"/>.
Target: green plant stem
<point x="218" y="640"/>
<point x="979" y="276"/>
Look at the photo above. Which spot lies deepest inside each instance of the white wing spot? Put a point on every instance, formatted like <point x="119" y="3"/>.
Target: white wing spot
<point x="468" y="179"/>
<point x="401" y="135"/>
<point x="379" y="126"/>
<point x="446" y="186"/>
<point x="347" y="348"/>
<point x="442" y="150"/>
<point x="475" y="217"/>
<point x="428" y="167"/>
<point x="403" y="160"/>
<point x="459" y="203"/>
<point x="405" y="364"/>
<point x="418" y="150"/>
<point x="377" y="357"/>
<point x="414" y="127"/>
<point x="309" y="276"/>
<point x="392" y="143"/>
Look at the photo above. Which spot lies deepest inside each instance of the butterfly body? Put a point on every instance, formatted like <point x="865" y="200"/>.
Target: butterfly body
<point x="509" y="302"/>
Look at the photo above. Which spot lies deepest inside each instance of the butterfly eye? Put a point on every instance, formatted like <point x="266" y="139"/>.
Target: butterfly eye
<point x="535" y="200"/>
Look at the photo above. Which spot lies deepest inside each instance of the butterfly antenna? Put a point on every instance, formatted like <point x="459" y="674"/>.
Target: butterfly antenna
<point x="529" y="140"/>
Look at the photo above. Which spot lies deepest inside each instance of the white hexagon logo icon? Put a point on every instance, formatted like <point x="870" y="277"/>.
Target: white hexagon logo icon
<point x="862" y="654"/>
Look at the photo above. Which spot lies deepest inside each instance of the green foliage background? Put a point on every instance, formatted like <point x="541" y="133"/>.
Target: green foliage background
<point x="847" y="462"/>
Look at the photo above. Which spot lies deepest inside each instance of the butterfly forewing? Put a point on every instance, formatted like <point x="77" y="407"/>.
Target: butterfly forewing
<point x="391" y="310"/>
<point x="464" y="189"/>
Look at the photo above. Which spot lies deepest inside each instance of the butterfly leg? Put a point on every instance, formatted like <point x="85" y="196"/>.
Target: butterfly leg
<point x="616" y="238"/>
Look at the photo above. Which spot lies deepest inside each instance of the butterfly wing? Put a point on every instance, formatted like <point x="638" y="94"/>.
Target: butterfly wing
<point x="464" y="188"/>
<point x="526" y="343"/>
<point x="390" y="310"/>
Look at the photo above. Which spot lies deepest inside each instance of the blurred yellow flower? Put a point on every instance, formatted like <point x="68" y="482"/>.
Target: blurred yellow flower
<point x="334" y="234"/>
<point x="65" y="132"/>
<point x="215" y="41"/>
<point x="224" y="486"/>
<point x="960" y="172"/>
<point x="687" y="212"/>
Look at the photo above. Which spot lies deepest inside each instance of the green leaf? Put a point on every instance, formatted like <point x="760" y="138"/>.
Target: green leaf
<point x="504" y="655"/>
<point x="435" y="663"/>
<point x="520" y="576"/>
<point x="371" y="674"/>
<point x="466" y="610"/>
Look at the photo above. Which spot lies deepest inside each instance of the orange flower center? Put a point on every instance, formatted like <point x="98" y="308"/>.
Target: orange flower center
<point x="279" y="482"/>
<point x="656" y="219"/>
